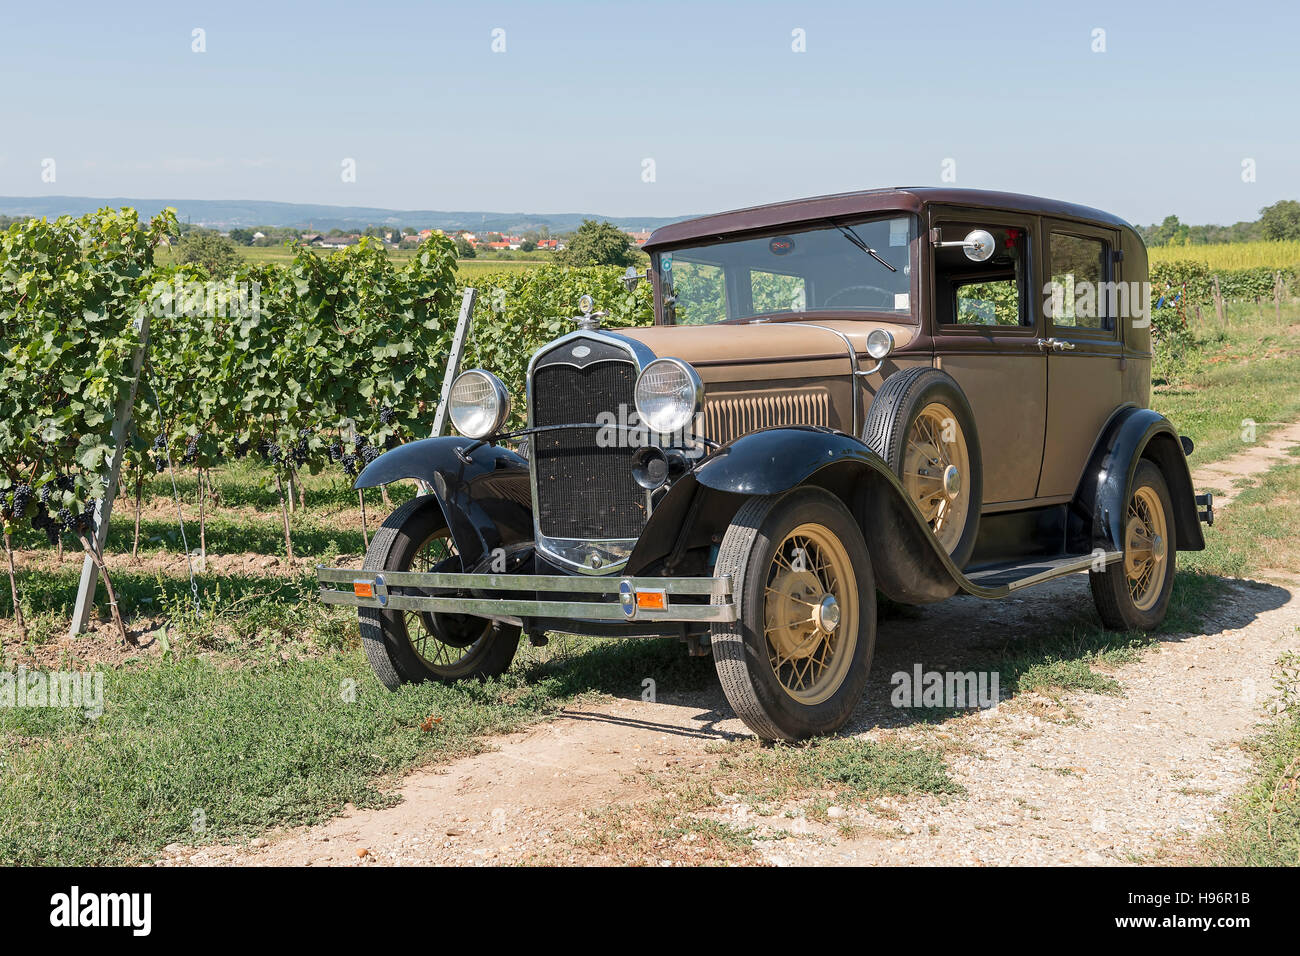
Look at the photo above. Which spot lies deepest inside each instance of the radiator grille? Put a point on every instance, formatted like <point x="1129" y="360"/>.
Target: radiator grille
<point x="728" y="418"/>
<point x="584" y="491"/>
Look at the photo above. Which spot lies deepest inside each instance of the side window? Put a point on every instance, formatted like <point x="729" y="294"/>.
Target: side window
<point x="774" y="292"/>
<point x="1079" y="270"/>
<point x="994" y="292"/>
<point x="699" y="292"/>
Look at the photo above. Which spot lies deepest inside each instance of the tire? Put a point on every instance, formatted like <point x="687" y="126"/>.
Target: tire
<point x="928" y="402"/>
<point x="1124" y="602"/>
<point x="759" y="656"/>
<point x="448" y="647"/>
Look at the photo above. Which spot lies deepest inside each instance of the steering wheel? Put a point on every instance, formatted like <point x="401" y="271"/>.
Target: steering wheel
<point x="886" y="297"/>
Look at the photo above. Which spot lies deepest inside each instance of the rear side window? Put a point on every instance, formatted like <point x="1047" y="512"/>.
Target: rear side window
<point x="1078" y="295"/>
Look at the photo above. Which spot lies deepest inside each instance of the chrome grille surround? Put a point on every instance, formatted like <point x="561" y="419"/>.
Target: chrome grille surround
<point x="584" y="555"/>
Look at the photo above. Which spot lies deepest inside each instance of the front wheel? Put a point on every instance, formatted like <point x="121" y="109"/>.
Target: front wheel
<point x="1133" y="594"/>
<point x="407" y="647"/>
<point x="796" y="662"/>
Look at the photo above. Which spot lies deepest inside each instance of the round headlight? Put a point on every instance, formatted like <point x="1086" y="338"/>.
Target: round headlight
<point x="479" y="403"/>
<point x="880" y="342"/>
<point x="669" y="395"/>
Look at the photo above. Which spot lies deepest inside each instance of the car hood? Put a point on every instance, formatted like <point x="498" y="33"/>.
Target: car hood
<point x="706" y="345"/>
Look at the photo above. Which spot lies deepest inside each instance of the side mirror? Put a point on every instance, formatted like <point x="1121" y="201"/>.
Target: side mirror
<point x="979" y="245"/>
<point x="632" y="278"/>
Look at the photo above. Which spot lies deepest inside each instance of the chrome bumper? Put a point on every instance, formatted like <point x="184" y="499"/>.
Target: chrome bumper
<point x="612" y="598"/>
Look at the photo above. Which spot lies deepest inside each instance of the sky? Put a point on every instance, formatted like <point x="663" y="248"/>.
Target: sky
<point x="657" y="108"/>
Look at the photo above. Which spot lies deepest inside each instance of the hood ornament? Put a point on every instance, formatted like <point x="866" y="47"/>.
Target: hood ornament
<point x="589" y="321"/>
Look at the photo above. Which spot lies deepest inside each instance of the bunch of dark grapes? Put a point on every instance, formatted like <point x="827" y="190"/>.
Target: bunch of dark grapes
<point x="159" y="451"/>
<point x="6" y="509"/>
<point x="46" y="490"/>
<point x="270" y="451"/>
<point x="22" y="497"/>
<point x="42" y="521"/>
<point x="301" y="448"/>
<point x="369" y="453"/>
<point x="386" y="415"/>
<point x="336" y="451"/>
<point x="350" y="465"/>
<point x="241" y="449"/>
<point x="191" y="450"/>
<point x="65" y="482"/>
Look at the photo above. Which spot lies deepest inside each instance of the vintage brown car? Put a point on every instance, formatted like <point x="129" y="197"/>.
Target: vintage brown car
<point x="916" y="392"/>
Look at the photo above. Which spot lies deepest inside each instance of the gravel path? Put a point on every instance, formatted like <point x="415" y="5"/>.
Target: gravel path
<point x="1074" y="779"/>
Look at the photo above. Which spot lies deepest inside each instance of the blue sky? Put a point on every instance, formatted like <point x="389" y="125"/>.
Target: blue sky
<point x="712" y="92"/>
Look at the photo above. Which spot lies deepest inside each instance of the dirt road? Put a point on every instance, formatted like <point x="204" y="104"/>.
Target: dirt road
<point x="1070" y="778"/>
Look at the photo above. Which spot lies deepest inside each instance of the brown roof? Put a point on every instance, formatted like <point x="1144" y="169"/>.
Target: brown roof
<point x="865" y="202"/>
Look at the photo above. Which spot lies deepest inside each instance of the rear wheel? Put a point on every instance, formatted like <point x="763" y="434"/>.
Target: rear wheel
<point x="1133" y="594"/>
<point x="412" y="646"/>
<point x="796" y="662"/>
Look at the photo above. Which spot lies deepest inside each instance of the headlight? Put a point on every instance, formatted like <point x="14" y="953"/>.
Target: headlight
<point x="479" y="403"/>
<point x="669" y="395"/>
<point x="880" y="342"/>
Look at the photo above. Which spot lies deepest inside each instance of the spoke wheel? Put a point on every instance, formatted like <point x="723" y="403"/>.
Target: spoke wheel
<point x="1133" y="593"/>
<point x="936" y="472"/>
<point x="406" y="647"/>
<point x="921" y="424"/>
<point x="810" y="613"/>
<point x="795" y="662"/>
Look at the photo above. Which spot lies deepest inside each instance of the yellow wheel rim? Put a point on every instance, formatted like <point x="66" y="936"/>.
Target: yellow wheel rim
<point x="936" y="472"/>
<point x="1146" y="548"/>
<point x="810" y="613"/>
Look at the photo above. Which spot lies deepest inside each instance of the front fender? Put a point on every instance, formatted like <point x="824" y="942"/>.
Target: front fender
<point x="909" y="564"/>
<point x="486" y="500"/>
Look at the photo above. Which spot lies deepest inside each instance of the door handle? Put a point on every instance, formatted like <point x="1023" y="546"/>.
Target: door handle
<point x="1055" y="345"/>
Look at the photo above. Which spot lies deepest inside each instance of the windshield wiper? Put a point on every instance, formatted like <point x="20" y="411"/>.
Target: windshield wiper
<point x="851" y="235"/>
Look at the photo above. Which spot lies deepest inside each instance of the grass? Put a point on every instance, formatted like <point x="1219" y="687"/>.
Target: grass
<point x="1262" y="828"/>
<point x="249" y="742"/>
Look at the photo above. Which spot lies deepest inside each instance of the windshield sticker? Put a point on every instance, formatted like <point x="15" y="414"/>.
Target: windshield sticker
<point x="781" y="246"/>
<point x="666" y="262"/>
<point x="898" y="232"/>
<point x="902" y="302"/>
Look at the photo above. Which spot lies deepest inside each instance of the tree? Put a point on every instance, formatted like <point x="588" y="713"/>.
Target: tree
<point x="527" y="245"/>
<point x="210" y="249"/>
<point x="1281" y="220"/>
<point x="242" y="236"/>
<point x="599" y="244"/>
<point x="464" y="250"/>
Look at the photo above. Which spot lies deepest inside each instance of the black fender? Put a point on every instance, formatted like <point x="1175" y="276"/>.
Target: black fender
<point x="1101" y="502"/>
<point x="486" y="497"/>
<point x="909" y="564"/>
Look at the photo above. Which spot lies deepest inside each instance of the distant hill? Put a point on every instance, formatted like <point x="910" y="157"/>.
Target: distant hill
<point x="231" y="214"/>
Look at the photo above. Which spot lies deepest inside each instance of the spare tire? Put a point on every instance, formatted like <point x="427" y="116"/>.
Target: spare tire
<point x="921" y="424"/>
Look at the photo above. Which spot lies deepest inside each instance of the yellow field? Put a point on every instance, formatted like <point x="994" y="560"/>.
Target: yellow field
<point x="1232" y="255"/>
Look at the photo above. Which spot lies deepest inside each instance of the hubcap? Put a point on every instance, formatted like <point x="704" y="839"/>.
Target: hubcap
<point x="934" y="462"/>
<point x="1145" y="548"/>
<point x="810" y="613"/>
<point x="441" y="640"/>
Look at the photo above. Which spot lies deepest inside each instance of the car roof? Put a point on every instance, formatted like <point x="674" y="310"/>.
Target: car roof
<point x="865" y="202"/>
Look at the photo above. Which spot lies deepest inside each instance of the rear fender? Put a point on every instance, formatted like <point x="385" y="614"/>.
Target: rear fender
<point x="487" y="499"/>
<point x="1101" y="502"/>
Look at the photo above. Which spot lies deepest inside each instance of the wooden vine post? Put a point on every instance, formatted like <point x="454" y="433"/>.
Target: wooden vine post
<point x="85" y="603"/>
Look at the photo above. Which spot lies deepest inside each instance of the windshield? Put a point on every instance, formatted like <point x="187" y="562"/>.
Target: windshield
<point x="840" y="267"/>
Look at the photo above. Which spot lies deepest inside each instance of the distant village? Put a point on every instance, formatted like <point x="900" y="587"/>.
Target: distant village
<point x="469" y="243"/>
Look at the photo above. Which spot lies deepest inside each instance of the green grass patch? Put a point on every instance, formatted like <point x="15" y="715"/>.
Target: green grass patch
<point x="245" y="744"/>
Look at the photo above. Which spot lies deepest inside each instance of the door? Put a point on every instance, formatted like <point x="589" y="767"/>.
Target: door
<point x="986" y="327"/>
<point x="1085" y="360"/>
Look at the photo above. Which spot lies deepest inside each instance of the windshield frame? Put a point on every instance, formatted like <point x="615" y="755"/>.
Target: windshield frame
<point x="911" y="317"/>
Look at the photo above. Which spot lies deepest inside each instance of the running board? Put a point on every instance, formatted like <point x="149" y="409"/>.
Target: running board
<point x="999" y="580"/>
